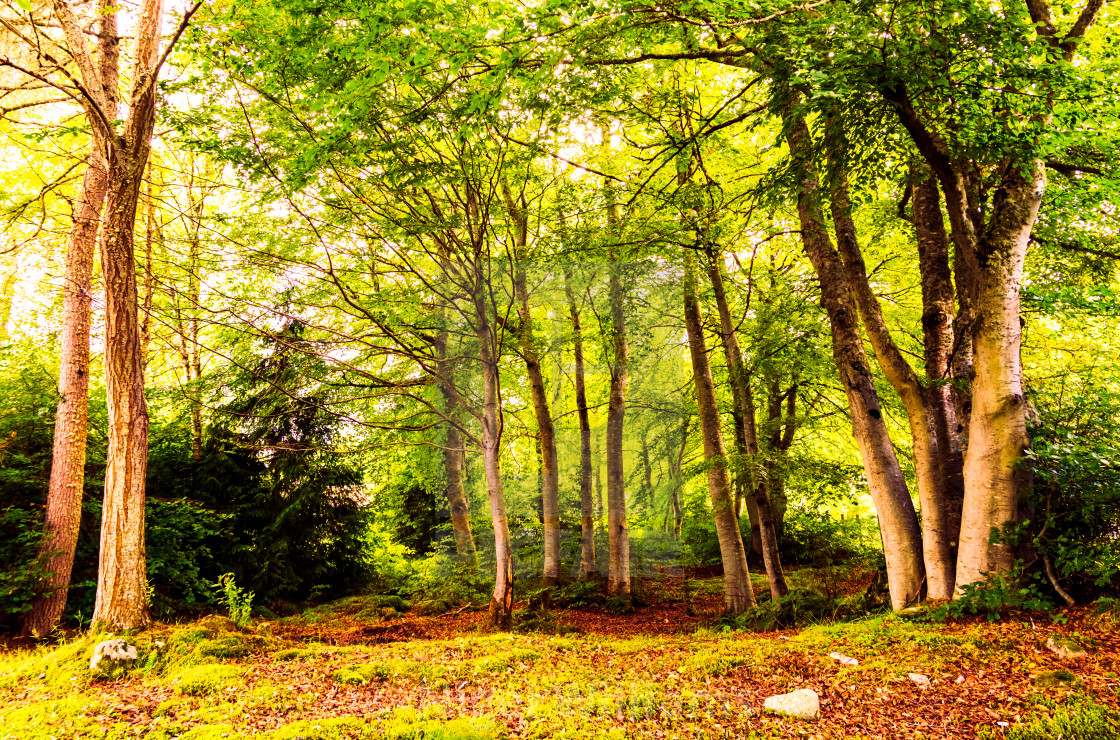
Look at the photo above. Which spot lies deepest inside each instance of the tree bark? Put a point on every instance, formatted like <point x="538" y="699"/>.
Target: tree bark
<point x="122" y="588"/>
<point x="746" y="434"/>
<point x="64" y="495"/>
<point x="897" y="519"/>
<point x="587" y="504"/>
<point x="453" y="460"/>
<point x="550" y="479"/>
<point x="937" y="537"/>
<point x="737" y="592"/>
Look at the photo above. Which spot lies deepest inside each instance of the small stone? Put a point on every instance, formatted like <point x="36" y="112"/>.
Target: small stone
<point x="803" y="703"/>
<point x="1065" y="648"/>
<point x="116" y="652"/>
<point x="160" y="644"/>
<point x="960" y="678"/>
<point x="843" y="659"/>
<point x="919" y="679"/>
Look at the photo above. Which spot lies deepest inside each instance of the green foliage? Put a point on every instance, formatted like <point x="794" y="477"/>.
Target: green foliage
<point x="802" y="607"/>
<point x="20" y="537"/>
<point x="238" y="601"/>
<point x="1078" y="717"/>
<point x="998" y="594"/>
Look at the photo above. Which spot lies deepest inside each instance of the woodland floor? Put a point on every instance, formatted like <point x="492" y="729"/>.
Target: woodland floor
<point x="343" y="670"/>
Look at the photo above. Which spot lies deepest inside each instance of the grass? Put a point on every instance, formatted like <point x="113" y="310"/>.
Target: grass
<point x="209" y="682"/>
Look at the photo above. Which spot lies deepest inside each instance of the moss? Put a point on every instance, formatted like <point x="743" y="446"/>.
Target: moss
<point x="211" y="732"/>
<point x="360" y="675"/>
<point x="1080" y="718"/>
<point x="227" y="646"/>
<point x="203" y="680"/>
<point x="293" y="654"/>
<point x="1051" y="679"/>
<point x="50" y="719"/>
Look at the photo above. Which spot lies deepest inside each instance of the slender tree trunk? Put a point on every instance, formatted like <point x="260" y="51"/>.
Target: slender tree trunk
<point x="550" y="478"/>
<point x="618" y="578"/>
<point x="737" y="592"/>
<point x="587" y="504"/>
<point x="897" y="519"/>
<point x="678" y="479"/>
<point x="597" y="470"/>
<point x="939" y="338"/>
<point x="122" y="587"/>
<point x="7" y="296"/>
<point x="64" y="496"/>
<point x="746" y="434"/>
<point x="453" y="460"/>
<point x="501" y="603"/>
<point x="937" y="538"/>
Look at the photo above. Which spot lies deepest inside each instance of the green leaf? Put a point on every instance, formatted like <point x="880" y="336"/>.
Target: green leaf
<point x="25" y="4"/>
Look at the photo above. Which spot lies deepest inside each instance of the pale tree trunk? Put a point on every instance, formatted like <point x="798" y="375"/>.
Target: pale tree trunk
<point x="998" y="426"/>
<point x="453" y="457"/>
<point x="618" y="577"/>
<point x="122" y="587"/>
<point x="746" y="434"/>
<point x="737" y="592"/>
<point x="937" y="537"/>
<point x="678" y="479"/>
<point x="898" y="521"/>
<point x="597" y="475"/>
<point x="587" y="508"/>
<point x="64" y="496"/>
<point x="550" y="479"/>
<point x="501" y="603"/>
<point x="7" y="296"/>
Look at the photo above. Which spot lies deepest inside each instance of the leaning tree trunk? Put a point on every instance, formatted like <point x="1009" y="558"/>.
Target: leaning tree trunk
<point x="737" y="592"/>
<point x="937" y="537"/>
<point x="586" y="503"/>
<point x="64" y="495"/>
<point x="902" y="544"/>
<point x="746" y="436"/>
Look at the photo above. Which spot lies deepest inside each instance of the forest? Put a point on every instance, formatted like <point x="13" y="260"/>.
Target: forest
<point x="571" y="368"/>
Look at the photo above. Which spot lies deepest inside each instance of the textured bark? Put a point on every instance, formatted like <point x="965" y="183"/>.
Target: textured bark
<point x="897" y="520"/>
<point x="737" y="592"/>
<point x="677" y="478"/>
<point x="122" y="587"/>
<point x="453" y="461"/>
<point x="618" y="535"/>
<point x="501" y="602"/>
<point x="586" y="503"/>
<point x="64" y="495"/>
<point x="550" y="479"/>
<point x="940" y="342"/>
<point x="998" y="429"/>
<point x="937" y="536"/>
<point x="746" y="435"/>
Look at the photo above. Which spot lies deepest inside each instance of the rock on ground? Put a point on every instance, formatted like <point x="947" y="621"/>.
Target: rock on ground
<point x="1065" y="648"/>
<point x="116" y="652"/>
<point x="803" y="703"/>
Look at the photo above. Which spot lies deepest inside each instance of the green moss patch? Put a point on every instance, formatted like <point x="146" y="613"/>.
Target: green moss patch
<point x="204" y="680"/>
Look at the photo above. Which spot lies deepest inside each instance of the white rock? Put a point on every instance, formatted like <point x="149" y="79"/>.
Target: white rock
<point x="803" y="703"/>
<point x="116" y="651"/>
<point x="922" y="681"/>
<point x="843" y="659"/>
<point x="1065" y="649"/>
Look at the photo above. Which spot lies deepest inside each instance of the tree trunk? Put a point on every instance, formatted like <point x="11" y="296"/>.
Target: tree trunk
<point x="998" y="432"/>
<point x="7" y="296"/>
<point x="64" y="496"/>
<point x="940" y="340"/>
<point x="122" y="587"/>
<point x="746" y="434"/>
<point x="937" y="538"/>
<point x="586" y="503"/>
<point x="501" y="602"/>
<point x="618" y="576"/>
<point x="550" y="479"/>
<point x="899" y="523"/>
<point x="737" y="592"/>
